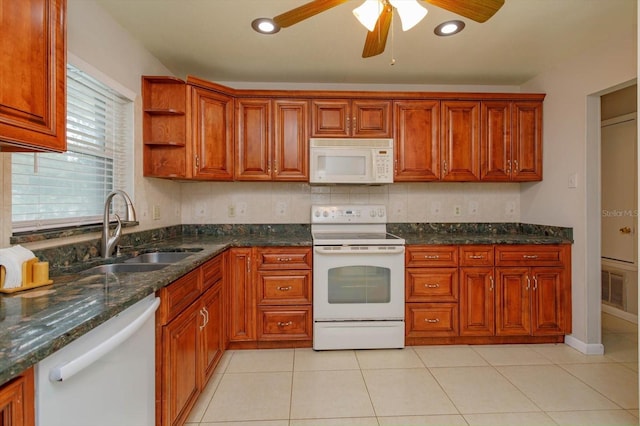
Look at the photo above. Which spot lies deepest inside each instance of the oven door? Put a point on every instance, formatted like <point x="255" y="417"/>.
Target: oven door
<point x="358" y="283"/>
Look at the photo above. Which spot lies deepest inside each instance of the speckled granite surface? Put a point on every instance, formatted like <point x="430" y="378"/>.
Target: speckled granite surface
<point x="36" y="323"/>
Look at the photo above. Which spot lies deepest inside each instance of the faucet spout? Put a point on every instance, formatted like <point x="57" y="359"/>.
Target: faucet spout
<point x="109" y="241"/>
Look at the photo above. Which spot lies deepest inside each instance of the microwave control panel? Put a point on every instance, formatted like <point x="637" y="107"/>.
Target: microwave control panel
<point x="383" y="164"/>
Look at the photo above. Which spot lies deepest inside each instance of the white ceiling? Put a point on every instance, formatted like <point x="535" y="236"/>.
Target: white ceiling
<point x="213" y="39"/>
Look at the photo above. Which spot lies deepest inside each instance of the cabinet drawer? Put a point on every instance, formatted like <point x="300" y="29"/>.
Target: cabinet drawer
<point x="431" y="256"/>
<point x="431" y="319"/>
<point x="179" y="294"/>
<point x="284" y="287"/>
<point x="284" y="324"/>
<point x="530" y="255"/>
<point x="431" y="284"/>
<point x="212" y="272"/>
<point x="481" y="255"/>
<point x="284" y="258"/>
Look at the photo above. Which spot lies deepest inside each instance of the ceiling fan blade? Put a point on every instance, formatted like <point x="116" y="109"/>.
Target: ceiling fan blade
<point x="477" y="10"/>
<point x="305" y="11"/>
<point x="377" y="39"/>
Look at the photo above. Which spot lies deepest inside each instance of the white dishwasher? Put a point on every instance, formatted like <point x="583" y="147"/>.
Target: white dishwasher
<point x="104" y="378"/>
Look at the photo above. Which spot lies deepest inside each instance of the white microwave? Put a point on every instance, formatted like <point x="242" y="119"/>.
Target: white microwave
<point x="367" y="161"/>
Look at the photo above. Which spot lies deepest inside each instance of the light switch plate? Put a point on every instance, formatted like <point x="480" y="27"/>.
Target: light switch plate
<point x="572" y="181"/>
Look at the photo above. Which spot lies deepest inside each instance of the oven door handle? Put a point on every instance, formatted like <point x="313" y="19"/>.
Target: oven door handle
<point x="347" y="250"/>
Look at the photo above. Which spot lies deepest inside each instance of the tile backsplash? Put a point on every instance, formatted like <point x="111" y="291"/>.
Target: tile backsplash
<point x="279" y="202"/>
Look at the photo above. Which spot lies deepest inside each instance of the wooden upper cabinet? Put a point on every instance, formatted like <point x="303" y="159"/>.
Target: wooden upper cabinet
<point x="212" y="135"/>
<point x="33" y="70"/>
<point x="460" y="141"/>
<point x="291" y="140"/>
<point x="511" y="147"/>
<point x="495" y="141"/>
<point x="358" y="118"/>
<point x="253" y="139"/>
<point x="272" y="140"/>
<point x="526" y="127"/>
<point x="187" y="130"/>
<point x="416" y="140"/>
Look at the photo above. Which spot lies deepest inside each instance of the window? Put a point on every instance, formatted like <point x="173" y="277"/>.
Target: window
<point x="59" y="190"/>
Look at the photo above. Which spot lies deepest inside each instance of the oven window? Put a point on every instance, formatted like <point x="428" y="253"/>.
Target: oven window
<point x="359" y="284"/>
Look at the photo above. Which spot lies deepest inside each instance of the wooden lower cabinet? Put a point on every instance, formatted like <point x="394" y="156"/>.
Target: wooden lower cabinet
<point x="270" y="297"/>
<point x="17" y="401"/>
<point x="191" y="341"/>
<point x="520" y="294"/>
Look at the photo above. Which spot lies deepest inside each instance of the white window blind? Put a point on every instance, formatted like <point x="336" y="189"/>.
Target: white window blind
<point x="68" y="189"/>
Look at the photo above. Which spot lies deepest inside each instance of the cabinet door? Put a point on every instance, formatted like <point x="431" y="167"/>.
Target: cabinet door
<point x="33" y="83"/>
<point x="253" y="139"/>
<point x="330" y="118"/>
<point x="526" y="124"/>
<point x="371" y="119"/>
<point x="513" y="303"/>
<point x="495" y="141"/>
<point x="547" y="308"/>
<point x="417" y="144"/>
<point x="180" y="384"/>
<point x="460" y="141"/>
<point x="242" y="306"/>
<point x="212" y="334"/>
<point x="212" y="135"/>
<point x="477" y="301"/>
<point x="291" y="140"/>
<point x="17" y="401"/>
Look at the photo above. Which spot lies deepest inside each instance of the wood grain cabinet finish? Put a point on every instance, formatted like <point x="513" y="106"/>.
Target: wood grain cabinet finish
<point x="187" y="129"/>
<point x="272" y="140"/>
<point x="191" y="339"/>
<point x="511" y="141"/>
<point x="242" y="296"/>
<point x="431" y="291"/>
<point x="33" y="70"/>
<point x="477" y="301"/>
<point x="284" y="294"/>
<point x="17" y="401"/>
<point x="358" y="118"/>
<point x="416" y="140"/>
<point x="460" y="141"/>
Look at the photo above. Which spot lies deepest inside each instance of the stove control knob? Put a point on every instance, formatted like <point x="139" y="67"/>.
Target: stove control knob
<point x="325" y="213"/>
<point x="372" y="213"/>
<point x="381" y="212"/>
<point x="316" y="213"/>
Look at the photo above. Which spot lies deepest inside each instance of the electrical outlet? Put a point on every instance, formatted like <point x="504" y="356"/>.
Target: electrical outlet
<point x="231" y="210"/>
<point x="457" y="210"/>
<point x="200" y="210"/>
<point x="156" y="212"/>
<point x="510" y="208"/>
<point x="281" y="208"/>
<point x="473" y="208"/>
<point x="436" y="207"/>
<point x="242" y="209"/>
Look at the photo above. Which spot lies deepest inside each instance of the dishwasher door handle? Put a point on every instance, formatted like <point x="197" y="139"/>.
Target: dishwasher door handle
<point x="71" y="368"/>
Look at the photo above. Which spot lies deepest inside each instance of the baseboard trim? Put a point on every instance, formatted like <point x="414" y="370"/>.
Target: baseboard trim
<point x="627" y="316"/>
<point x="585" y="348"/>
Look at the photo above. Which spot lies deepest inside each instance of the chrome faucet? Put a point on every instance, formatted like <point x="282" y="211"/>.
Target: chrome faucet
<point x="109" y="242"/>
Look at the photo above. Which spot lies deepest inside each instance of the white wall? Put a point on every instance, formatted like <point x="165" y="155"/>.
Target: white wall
<point x="571" y="145"/>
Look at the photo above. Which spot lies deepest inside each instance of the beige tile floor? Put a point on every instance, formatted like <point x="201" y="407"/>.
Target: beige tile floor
<point x="428" y="385"/>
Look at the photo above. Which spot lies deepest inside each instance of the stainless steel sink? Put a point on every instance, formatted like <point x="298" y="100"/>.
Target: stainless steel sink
<point x="160" y="257"/>
<point x="125" y="267"/>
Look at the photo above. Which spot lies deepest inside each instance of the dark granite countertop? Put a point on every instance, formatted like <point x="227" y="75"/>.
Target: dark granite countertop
<point x="36" y="323"/>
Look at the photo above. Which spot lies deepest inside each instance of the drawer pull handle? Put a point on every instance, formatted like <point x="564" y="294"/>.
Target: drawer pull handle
<point x="530" y="256"/>
<point x="432" y="256"/>
<point x="432" y="285"/>
<point x="284" y="259"/>
<point x="285" y="324"/>
<point x="284" y="288"/>
<point x="535" y="283"/>
<point x="491" y="280"/>
<point x="432" y="320"/>
<point x="476" y="256"/>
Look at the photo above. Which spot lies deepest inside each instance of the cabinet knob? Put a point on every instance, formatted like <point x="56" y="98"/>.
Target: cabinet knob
<point x="625" y="230"/>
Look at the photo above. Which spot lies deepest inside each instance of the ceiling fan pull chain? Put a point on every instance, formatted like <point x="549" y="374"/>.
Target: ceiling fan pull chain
<point x="393" y="37"/>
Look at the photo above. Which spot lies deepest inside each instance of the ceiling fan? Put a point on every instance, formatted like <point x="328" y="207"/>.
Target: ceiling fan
<point x="376" y="15"/>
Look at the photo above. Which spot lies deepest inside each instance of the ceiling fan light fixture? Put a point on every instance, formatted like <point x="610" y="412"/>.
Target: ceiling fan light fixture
<point x="449" y="28"/>
<point x="368" y="12"/>
<point x="410" y="12"/>
<point x="265" y="26"/>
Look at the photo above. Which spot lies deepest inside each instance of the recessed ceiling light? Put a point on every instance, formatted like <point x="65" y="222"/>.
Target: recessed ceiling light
<point x="449" y="28"/>
<point x="265" y="26"/>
